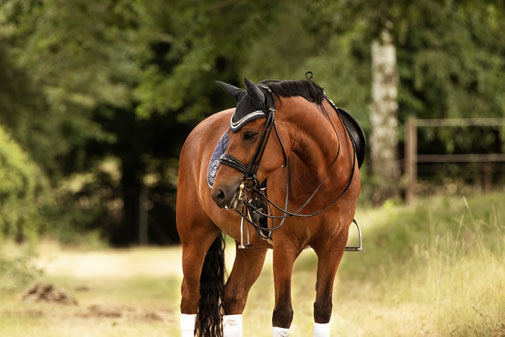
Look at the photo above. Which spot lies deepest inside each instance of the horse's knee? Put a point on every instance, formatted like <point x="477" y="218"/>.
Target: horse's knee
<point x="322" y="310"/>
<point x="190" y="296"/>
<point x="282" y="316"/>
<point x="234" y="302"/>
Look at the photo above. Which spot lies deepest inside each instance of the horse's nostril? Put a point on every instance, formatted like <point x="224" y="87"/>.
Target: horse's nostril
<point x="220" y="195"/>
<point x="223" y="195"/>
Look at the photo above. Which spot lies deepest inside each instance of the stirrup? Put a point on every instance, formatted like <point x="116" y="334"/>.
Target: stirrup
<point x="360" y="247"/>
<point x="248" y="244"/>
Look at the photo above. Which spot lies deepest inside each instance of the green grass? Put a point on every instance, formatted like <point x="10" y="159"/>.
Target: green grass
<point x="435" y="268"/>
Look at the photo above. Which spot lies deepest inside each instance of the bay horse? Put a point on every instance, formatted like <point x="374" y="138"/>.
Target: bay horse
<point x="289" y="170"/>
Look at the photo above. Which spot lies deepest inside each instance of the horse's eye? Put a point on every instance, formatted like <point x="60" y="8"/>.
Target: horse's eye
<point x="249" y="135"/>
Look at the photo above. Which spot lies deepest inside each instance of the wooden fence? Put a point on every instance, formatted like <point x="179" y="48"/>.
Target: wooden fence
<point x="412" y="157"/>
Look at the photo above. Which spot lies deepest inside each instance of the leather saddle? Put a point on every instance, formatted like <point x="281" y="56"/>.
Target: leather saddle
<point x="356" y="133"/>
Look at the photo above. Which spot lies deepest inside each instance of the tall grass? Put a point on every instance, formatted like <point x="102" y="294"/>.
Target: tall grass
<point x="461" y="276"/>
<point x="433" y="269"/>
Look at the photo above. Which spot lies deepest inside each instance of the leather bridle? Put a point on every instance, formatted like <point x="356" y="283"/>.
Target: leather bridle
<point x="250" y="188"/>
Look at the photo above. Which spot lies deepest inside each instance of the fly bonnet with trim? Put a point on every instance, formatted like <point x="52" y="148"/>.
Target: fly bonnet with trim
<point x="251" y="103"/>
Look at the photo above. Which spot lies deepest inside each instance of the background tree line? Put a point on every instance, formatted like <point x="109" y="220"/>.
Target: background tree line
<point x="97" y="97"/>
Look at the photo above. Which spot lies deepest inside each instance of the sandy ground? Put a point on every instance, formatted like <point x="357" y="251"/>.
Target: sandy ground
<point x="122" y="264"/>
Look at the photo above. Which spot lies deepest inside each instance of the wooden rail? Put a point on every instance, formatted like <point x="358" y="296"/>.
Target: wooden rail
<point x="412" y="157"/>
<point x="460" y="122"/>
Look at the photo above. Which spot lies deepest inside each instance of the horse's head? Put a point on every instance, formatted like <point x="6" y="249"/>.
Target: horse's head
<point x="250" y="157"/>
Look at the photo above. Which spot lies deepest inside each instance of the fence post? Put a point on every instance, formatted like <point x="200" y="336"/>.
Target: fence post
<point x="410" y="158"/>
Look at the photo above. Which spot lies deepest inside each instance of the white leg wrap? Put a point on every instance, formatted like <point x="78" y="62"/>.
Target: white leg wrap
<point x="188" y="325"/>
<point x="321" y="330"/>
<point x="232" y="325"/>
<point x="281" y="332"/>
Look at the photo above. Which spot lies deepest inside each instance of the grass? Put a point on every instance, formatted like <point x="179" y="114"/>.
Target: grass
<point x="432" y="269"/>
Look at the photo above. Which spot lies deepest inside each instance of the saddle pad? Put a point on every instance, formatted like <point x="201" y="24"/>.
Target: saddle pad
<point x="214" y="160"/>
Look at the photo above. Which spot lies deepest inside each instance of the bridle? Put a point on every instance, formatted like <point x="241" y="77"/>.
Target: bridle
<point x="250" y="170"/>
<point x="250" y="188"/>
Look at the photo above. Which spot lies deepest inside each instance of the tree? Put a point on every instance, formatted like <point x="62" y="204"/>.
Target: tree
<point x="101" y="95"/>
<point x="384" y="117"/>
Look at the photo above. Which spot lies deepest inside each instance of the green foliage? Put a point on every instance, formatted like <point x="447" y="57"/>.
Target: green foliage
<point x="88" y="204"/>
<point x="87" y="48"/>
<point x="22" y="192"/>
<point x="191" y="47"/>
<point x="457" y="63"/>
<point x="82" y="81"/>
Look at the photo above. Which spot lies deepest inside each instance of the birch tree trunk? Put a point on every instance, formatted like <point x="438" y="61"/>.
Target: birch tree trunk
<point x="384" y="118"/>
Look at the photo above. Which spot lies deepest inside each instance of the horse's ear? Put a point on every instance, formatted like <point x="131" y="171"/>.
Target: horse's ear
<point x="232" y="90"/>
<point x="256" y="93"/>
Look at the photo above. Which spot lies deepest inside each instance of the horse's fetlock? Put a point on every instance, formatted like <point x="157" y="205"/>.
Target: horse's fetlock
<point x="282" y="316"/>
<point x="322" y="311"/>
<point x="234" y="303"/>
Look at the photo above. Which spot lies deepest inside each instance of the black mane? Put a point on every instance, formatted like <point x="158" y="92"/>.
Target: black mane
<point x="305" y="88"/>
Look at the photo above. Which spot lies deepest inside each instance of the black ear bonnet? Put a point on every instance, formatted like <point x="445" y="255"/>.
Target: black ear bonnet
<point x="255" y="102"/>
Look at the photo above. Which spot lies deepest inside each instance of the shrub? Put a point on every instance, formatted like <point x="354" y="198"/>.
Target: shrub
<point x="23" y="191"/>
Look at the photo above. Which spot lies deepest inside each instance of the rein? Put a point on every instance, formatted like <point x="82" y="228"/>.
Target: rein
<point x="250" y="183"/>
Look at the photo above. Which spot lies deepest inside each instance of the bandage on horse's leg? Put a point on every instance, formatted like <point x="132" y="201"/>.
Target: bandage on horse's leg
<point x="246" y="269"/>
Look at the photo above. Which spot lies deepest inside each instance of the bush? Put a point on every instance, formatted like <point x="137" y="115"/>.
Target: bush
<point x="16" y="272"/>
<point x="23" y="191"/>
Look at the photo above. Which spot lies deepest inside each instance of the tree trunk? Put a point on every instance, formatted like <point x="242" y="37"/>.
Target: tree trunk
<point x="133" y="219"/>
<point x="384" y="118"/>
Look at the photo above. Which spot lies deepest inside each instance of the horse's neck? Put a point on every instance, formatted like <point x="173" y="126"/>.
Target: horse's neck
<point x="316" y="145"/>
<point x="314" y="140"/>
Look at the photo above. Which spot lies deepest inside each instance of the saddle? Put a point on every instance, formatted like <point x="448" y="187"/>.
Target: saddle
<point x="356" y="133"/>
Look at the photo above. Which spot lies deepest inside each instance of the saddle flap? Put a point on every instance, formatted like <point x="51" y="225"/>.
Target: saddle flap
<point x="356" y="133"/>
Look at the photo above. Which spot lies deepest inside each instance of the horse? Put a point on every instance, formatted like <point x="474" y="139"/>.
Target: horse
<point x="290" y="173"/>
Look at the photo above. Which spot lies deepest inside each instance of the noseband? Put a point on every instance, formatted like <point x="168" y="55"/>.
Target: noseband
<point x="249" y="184"/>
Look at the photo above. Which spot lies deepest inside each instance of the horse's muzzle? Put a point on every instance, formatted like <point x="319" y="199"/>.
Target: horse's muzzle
<point x="225" y="196"/>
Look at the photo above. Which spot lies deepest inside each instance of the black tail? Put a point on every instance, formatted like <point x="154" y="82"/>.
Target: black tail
<point x="208" y="319"/>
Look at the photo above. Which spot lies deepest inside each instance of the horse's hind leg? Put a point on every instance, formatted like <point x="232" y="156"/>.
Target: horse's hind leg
<point x="328" y="260"/>
<point x="246" y="269"/>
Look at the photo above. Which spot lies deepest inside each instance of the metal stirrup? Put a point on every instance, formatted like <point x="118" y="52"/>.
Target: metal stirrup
<point x="248" y="244"/>
<point x="360" y="247"/>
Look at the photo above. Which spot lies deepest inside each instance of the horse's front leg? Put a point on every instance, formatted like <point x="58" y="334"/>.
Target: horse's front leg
<point x="246" y="269"/>
<point x="329" y="255"/>
<point x="197" y="234"/>
<point x="285" y="254"/>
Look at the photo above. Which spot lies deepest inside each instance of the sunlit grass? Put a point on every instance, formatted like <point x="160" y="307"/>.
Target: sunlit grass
<point x="431" y="269"/>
